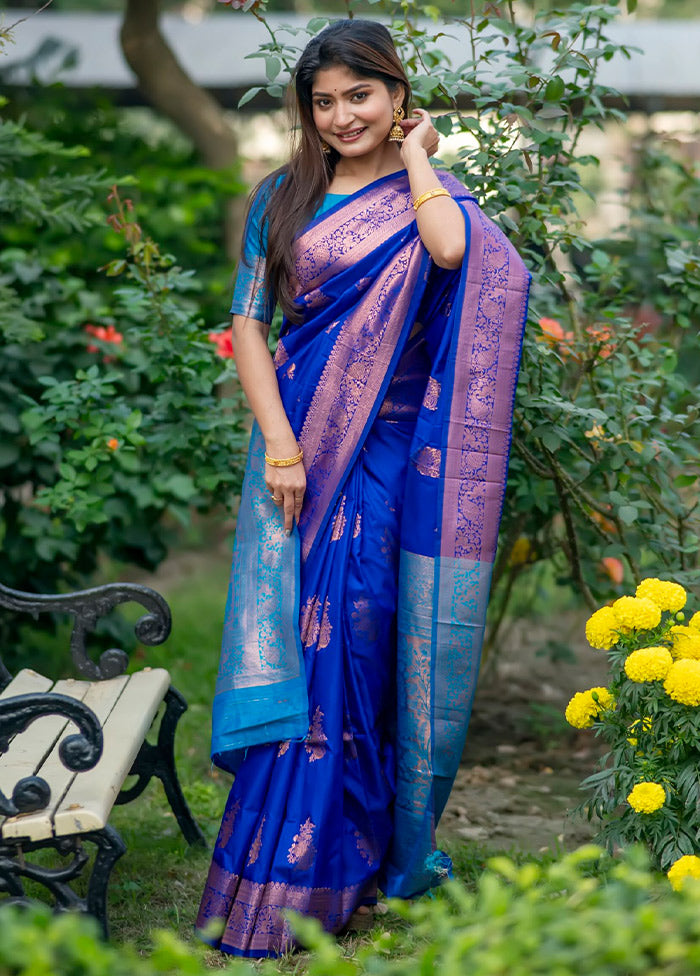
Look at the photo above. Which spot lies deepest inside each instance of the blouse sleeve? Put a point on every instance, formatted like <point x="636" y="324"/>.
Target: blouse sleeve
<point x="250" y="297"/>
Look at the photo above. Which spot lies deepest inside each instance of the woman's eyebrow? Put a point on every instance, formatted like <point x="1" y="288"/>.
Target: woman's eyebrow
<point x="363" y="84"/>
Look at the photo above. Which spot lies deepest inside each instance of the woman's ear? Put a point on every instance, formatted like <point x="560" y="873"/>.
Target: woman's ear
<point x="398" y="96"/>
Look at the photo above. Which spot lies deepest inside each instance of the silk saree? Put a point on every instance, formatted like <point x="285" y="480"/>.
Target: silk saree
<point x="351" y="649"/>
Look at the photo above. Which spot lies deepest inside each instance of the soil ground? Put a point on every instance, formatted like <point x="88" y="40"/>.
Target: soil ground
<point x="523" y="764"/>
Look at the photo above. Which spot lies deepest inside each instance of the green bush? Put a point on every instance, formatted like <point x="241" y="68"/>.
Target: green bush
<point x="583" y="915"/>
<point x="113" y="428"/>
<point x="33" y="942"/>
<point x="534" y="920"/>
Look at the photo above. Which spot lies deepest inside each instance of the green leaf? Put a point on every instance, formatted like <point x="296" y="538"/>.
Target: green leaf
<point x="273" y="66"/>
<point x="248" y="96"/>
<point x="555" y="89"/>
<point x="181" y="486"/>
<point x="628" y="514"/>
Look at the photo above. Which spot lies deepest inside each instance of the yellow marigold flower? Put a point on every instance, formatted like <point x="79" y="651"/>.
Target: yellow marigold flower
<point x="646" y="727"/>
<point x="665" y="594"/>
<point x="521" y="551"/>
<point x="648" y="664"/>
<point x="647" y="797"/>
<point x="636" y="613"/>
<point x="583" y="708"/>
<point x="602" y="629"/>
<point x="683" y="682"/>
<point x="686" y="642"/>
<point x="694" y="622"/>
<point x="687" y="866"/>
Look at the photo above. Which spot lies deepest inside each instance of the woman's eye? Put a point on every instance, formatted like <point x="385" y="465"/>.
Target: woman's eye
<point x="360" y="95"/>
<point x="322" y="103"/>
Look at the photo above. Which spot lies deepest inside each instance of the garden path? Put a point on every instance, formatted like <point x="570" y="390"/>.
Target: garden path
<point x="523" y="764"/>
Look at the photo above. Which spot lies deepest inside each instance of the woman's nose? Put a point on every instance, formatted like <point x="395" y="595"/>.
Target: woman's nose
<point x="342" y="115"/>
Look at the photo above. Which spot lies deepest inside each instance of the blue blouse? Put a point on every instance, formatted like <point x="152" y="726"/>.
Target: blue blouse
<point x="250" y="296"/>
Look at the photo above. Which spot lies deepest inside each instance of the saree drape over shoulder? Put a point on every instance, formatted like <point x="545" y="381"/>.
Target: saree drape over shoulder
<point x="351" y="650"/>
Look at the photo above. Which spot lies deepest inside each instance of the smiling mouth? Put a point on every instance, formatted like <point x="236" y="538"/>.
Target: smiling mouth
<point x="348" y="136"/>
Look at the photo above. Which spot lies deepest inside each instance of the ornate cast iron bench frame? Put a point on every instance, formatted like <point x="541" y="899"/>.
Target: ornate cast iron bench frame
<point x="82" y="751"/>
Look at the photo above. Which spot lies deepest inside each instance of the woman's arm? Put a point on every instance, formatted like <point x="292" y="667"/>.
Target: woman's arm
<point x="256" y="372"/>
<point x="440" y="221"/>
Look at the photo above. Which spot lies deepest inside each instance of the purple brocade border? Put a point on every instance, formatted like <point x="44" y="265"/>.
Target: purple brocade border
<point x="254" y="915"/>
<point x="364" y="345"/>
<point x="488" y="355"/>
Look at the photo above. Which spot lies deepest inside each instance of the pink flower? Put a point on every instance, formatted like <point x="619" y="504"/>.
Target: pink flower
<point x="223" y="342"/>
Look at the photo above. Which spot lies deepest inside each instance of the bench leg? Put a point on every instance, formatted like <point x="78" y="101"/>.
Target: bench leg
<point x="159" y="760"/>
<point x="110" y="848"/>
<point x="15" y="866"/>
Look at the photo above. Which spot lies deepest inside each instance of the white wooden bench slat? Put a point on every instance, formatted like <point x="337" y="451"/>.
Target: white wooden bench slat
<point x="89" y="801"/>
<point x="28" y="750"/>
<point x="25" y="682"/>
<point x="100" y="697"/>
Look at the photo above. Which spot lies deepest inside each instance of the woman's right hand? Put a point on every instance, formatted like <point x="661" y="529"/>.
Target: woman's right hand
<point x="286" y="486"/>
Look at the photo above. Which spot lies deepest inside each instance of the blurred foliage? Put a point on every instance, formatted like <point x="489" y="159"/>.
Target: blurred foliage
<point x="581" y="913"/>
<point x="644" y="8"/>
<point x="605" y="461"/>
<point x="180" y="201"/>
<point x="114" y="429"/>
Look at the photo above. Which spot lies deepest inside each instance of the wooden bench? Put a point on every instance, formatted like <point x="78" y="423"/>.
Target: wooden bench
<point x="67" y="747"/>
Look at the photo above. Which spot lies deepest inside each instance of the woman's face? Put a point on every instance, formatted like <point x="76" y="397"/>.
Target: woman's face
<point x="352" y="114"/>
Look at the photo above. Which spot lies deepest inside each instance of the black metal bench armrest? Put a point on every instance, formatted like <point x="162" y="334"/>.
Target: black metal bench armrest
<point x="87" y="606"/>
<point x="77" y="752"/>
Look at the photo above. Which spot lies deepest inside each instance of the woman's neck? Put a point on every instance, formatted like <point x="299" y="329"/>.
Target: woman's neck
<point x="352" y="174"/>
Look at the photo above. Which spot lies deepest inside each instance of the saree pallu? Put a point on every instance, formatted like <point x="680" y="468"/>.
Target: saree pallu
<point x="351" y="649"/>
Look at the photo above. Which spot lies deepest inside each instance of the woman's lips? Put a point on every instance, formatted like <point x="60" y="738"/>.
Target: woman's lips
<point x="350" y="136"/>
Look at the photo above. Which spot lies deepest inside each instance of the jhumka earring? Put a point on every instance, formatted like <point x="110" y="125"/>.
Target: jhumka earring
<point x="396" y="134"/>
<point x="325" y="148"/>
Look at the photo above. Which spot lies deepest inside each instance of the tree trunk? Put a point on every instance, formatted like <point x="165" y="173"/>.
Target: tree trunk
<point x="169" y="89"/>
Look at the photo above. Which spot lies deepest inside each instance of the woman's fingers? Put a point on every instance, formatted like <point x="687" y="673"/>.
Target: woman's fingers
<point x="287" y="492"/>
<point x="288" y="512"/>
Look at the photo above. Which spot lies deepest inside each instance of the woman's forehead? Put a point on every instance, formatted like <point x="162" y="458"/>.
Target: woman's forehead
<point x="337" y="79"/>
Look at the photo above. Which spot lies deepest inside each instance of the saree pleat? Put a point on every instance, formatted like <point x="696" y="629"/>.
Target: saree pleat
<point x="351" y="649"/>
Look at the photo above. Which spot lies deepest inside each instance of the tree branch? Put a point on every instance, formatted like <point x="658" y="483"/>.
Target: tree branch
<point x="170" y="90"/>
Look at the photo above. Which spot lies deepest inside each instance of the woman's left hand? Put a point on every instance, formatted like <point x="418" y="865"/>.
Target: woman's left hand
<point x="419" y="131"/>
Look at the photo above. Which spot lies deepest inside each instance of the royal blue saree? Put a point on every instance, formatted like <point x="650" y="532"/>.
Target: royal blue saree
<point x="351" y="650"/>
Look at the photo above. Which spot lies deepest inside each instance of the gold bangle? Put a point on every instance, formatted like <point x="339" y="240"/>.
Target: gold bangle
<point x="284" y="462"/>
<point x="428" y="195"/>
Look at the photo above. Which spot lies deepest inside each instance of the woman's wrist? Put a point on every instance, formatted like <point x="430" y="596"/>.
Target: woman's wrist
<point x="412" y="153"/>
<point x="281" y="447"/>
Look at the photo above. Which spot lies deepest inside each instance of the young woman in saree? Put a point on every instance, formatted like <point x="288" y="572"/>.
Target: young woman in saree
<point x="370" y="507"/>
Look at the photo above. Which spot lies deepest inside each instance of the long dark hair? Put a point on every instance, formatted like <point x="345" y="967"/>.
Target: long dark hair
<point x="366" y="48"/>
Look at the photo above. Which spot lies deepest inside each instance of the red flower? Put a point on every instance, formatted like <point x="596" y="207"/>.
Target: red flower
<point x="104" y="334"/>
<point x="554" y="335"/>
<point x="223" y="343"/>
<point x="603" y="337"/>
<point x="613" y="568"/>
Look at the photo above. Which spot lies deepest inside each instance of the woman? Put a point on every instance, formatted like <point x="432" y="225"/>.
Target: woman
<point x="370" y="507"/>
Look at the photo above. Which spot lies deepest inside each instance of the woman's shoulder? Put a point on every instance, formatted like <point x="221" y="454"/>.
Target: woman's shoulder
<point x="260" y="196"/>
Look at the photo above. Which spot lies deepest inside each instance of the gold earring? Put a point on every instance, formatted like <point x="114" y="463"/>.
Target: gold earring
<point x="396" y="133"/>
<point x="325" y="148"/>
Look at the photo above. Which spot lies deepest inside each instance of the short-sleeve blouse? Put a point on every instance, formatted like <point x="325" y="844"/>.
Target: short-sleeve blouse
<point x="250" y="296"/>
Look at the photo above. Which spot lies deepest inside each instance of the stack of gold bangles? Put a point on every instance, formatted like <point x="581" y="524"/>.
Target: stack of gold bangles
<point x="284" y="462"/>
<point x="428" y="195"/>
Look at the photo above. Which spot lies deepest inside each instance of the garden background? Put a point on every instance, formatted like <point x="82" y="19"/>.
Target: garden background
<point x="123" y="431"/>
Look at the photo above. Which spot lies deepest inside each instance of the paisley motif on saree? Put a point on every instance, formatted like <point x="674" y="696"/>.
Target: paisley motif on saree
<point x="367" y="284"/>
